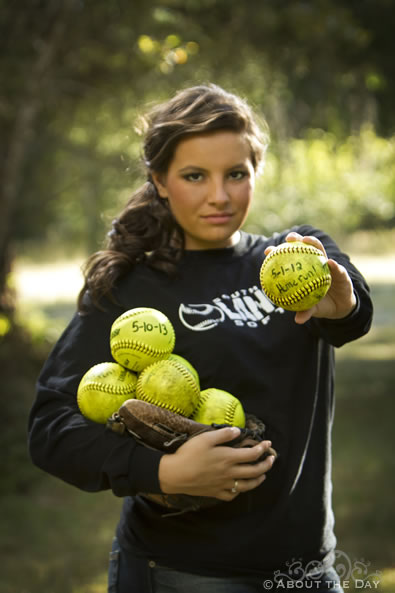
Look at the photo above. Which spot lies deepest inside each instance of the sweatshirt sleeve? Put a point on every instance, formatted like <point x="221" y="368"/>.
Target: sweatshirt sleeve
<point x="340" y="331"/>
<point x="62" y="441"/>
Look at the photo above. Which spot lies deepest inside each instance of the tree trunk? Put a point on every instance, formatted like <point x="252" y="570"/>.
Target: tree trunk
<point x="37" y="76"/>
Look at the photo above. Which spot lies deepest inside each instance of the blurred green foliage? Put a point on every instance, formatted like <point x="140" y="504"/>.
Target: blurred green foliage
<point x="75" y="74"/>
<point x="338" y="185"/>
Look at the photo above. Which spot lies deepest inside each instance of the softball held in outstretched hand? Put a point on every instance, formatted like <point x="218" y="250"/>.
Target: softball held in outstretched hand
<point x="295" y="276"/>
<point x="103" y="389"/>
<point x="219" y="407"/>
<point x="140" y="337"/>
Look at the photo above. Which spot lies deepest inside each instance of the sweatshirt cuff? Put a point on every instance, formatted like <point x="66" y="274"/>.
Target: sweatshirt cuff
<point x="144" y="470"/>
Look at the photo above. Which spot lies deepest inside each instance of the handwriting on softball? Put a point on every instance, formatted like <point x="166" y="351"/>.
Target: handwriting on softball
<point x="145" y="327"/>
<point x="149" y="327"/>
<point x="121" y="376"/>
<point x="286" y="280"/>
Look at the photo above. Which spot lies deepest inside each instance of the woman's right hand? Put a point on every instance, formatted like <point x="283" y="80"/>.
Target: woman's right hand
<point x="202" y="467"/>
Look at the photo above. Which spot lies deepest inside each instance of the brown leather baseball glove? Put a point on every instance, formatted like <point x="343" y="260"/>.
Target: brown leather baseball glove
<point x="162" y="430"/>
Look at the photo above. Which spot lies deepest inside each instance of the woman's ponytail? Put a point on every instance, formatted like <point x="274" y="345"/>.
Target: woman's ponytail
<point x="145" y="231"/>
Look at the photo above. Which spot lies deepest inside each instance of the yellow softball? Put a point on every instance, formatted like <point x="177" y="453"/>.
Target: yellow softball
<point x="187" y="364"/>
<point x="295" y="276"/>
<point x="140" y="337"/>
<point x="103" y="389"/>
<point x="168" y="384"/>
<point x="219" y="407"/>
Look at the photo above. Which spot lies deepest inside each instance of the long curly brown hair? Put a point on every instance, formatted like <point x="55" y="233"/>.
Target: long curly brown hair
<point x="145" y="230"/>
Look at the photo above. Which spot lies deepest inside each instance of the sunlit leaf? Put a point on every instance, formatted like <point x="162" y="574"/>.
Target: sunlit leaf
<point x="5" y="325"/>
<point x="146" y="44"/>
<point x="192" y="48"/>
<point x="180" y="56"/>
<point x="172" y="41"/>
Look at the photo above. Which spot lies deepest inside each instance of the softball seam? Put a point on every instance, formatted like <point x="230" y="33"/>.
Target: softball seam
<point x="230" y="410"/>
<point x="143" y="348"/>
<point x="141" y="395"/>
<point x="187" y="374"/>
<point x="106" y="388"/>
<point x="202" y="400"/>
<point x="309" y="249"/>
<point x="133" y="313"/>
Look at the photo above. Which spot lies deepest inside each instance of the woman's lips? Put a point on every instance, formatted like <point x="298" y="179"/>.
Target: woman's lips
<point x="219" y="218"/>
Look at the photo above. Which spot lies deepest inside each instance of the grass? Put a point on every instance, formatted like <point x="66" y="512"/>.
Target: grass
<point x="62" y="537"/>
<point x="363" y="442"/>
<point x="56" y="539"/>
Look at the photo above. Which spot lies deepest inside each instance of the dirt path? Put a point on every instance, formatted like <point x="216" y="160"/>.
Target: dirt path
<point x="48" y="283"/>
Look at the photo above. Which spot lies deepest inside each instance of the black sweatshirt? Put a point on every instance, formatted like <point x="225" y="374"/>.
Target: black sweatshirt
<point x="238" y="341"/>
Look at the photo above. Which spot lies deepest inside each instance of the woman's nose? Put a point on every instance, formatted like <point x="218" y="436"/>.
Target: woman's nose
<point x="218" y="192"/>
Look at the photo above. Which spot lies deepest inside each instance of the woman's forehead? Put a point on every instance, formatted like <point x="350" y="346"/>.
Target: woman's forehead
<point x="204" y="150"/>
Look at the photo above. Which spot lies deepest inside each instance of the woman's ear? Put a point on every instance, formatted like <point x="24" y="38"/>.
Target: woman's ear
<point x="160" y="184"/>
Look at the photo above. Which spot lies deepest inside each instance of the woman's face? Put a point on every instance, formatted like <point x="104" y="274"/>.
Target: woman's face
<point x="209" y="186"/>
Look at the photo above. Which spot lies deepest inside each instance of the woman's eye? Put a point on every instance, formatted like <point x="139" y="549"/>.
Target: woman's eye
<point x="237" y="175"/>
<point x="193" y="177"/>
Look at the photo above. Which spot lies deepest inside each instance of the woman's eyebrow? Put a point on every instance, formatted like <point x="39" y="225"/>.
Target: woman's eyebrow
<point x="189" y="167"/>
<point x="197" y="168"/>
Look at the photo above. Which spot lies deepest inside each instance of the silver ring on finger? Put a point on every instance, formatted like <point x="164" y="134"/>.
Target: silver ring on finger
<point x="234" y="489"/>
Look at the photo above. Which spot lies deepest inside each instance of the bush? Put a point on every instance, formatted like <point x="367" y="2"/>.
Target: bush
<point x="338" y="186"/>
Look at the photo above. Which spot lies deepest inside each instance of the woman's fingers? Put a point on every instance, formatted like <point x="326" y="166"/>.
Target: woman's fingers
<point x="205" y="466"/>
<point x="309" y="239"/>
<point x="239" y="486"/>
<point x="237" y="455"/>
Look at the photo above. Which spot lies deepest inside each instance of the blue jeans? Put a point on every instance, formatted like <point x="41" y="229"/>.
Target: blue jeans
<point x="128" y="574"/>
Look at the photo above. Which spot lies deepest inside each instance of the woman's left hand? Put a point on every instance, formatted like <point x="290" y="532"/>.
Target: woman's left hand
<point x="340" y="299"/>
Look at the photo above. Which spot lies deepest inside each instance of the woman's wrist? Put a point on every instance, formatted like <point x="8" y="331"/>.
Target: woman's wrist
<point x="164" y="471"/>
<point x="350" y="310"/>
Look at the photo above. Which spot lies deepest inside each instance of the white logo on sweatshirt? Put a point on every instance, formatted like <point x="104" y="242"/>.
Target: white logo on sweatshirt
<point x="247" y="306"/>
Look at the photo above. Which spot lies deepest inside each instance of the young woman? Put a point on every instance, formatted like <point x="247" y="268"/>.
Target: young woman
<point x="177" y="246"/>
